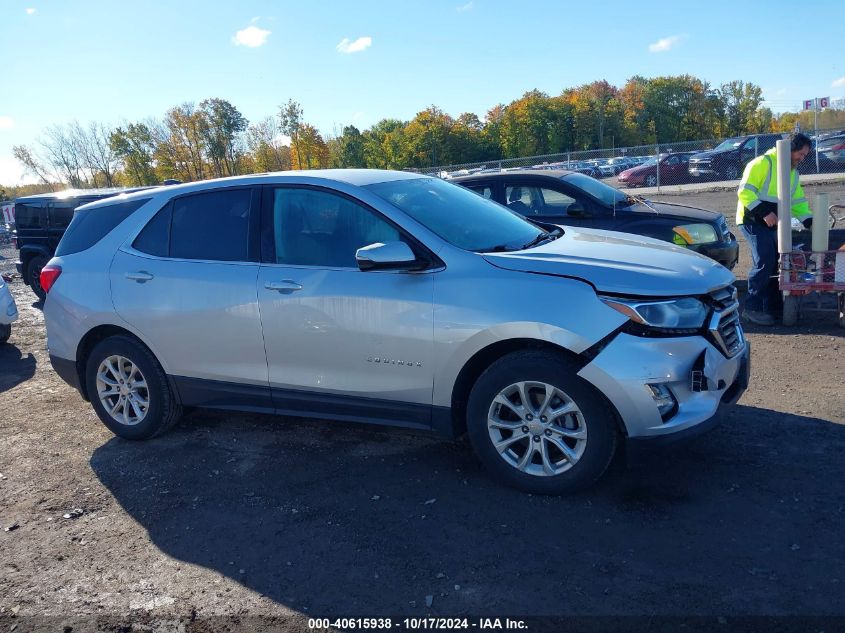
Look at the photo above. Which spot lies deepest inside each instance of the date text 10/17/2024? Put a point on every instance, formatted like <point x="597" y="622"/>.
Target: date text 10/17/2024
<point x="416" y="624"/>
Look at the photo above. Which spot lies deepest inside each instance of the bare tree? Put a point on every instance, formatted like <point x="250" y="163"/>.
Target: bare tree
<point x="64" y="155"/>
<point x="33" y="164"/>
<point x="98" y="157"/>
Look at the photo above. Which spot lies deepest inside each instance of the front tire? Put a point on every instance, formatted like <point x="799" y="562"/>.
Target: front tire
<point x="732" y="172"/>
<point x="538" y="427"/>
<point x="651" y="180"/>
<point x="129" y="390"/>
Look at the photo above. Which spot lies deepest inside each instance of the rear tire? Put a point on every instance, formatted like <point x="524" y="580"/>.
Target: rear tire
<point x="537" y="426"/>
<point x="5" y="332"/>
<point x="129" y="390"/>
<point x="33" y="275"/>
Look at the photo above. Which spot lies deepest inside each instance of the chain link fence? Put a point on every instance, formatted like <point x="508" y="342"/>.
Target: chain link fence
<point x="667" y="164"/>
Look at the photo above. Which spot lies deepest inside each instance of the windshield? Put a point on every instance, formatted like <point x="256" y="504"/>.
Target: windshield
<point x="731" y="143"/>
<point x="605" y="194"/>
<point x="458" y="215"/>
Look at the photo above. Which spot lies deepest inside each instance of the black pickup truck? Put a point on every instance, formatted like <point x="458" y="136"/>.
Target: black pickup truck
<point x="41" y="220"/>
<point x="727" y="160"/>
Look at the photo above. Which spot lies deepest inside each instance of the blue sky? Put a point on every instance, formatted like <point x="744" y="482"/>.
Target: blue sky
<point x="359" y="62"/>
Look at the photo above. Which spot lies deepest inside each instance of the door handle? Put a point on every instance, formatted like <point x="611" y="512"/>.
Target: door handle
<point x="141" y="276"/>
<point x="285" y="286"/>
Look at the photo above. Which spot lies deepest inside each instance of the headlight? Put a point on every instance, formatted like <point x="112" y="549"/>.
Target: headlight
<point x="694" y="234"/>
<point x="679" y="316"/>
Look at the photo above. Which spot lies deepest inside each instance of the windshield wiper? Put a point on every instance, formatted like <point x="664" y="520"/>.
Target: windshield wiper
<point x="540" y="238"/>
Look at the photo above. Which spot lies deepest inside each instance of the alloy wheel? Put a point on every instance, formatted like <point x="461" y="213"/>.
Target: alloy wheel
<point x="537" y="428"/>
<point x="122" y="390"/>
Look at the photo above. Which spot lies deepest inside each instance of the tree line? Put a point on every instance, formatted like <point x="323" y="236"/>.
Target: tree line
<point x="213" y="139"/>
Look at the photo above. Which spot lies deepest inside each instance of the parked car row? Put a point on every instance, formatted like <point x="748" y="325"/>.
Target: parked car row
<point x="726" y="161"/>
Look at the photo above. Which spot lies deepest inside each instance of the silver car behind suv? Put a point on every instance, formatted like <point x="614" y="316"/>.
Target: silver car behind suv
<point x="391" y="298"/>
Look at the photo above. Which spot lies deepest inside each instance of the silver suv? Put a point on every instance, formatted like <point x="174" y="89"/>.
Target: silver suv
<point x="391" y="298"/>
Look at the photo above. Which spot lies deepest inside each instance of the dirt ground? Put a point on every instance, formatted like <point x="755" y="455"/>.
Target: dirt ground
<point x="280" y="519"/>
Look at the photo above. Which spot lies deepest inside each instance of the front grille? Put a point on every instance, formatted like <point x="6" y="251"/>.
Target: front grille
<point x="725" y="327"/>
<point x="724" y="298"/>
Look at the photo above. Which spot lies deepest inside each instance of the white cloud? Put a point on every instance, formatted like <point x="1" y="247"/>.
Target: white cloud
<point x="361" y="44"/>
<point x="665" y="44"/>
<point x="30" y="11"/>
<point x="465" y="7"/>
<point x="839" y="83"/>
<point x="6" y="123"/>
<point x="254" y="20"/>
<point x="251" y="36"/>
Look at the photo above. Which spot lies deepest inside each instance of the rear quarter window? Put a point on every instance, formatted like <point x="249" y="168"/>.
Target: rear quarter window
<point x="89" y="226"/>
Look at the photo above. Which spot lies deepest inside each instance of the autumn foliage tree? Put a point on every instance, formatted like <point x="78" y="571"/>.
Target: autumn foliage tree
<point x="214" y="139"/>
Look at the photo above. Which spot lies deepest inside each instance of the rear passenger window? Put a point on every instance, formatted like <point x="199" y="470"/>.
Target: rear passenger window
<point x="155" y="238"/>
<point x="212" y="226"/>
<point x="89" y="226"/>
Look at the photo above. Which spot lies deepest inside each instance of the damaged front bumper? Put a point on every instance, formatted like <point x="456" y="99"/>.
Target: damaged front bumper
<point x="668" y="387"/>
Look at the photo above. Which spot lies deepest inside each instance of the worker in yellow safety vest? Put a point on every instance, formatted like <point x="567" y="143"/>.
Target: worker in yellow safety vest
<point x="757" y="218"/>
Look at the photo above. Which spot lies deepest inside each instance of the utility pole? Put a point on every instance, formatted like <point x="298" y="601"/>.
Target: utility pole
<point x="816" y="131"/>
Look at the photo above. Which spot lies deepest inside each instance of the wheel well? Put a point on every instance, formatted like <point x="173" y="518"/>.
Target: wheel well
<point x="88" y="342"/>
<point x="482" y="359"/>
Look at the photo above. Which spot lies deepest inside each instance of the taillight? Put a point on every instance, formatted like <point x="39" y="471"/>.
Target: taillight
<point x="49" y="274"/>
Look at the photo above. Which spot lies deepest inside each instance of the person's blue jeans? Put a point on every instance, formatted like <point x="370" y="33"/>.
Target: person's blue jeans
<point x="763" y="292"/>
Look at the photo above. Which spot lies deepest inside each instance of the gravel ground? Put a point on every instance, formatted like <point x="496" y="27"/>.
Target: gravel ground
<point x="244" y="515"/>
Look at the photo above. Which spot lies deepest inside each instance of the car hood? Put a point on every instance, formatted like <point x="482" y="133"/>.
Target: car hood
<point x="619" y="263"/>
<point x="670" y="209"/>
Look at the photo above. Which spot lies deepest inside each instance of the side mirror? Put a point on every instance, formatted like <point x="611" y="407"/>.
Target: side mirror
<point x="390" y="256"/>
